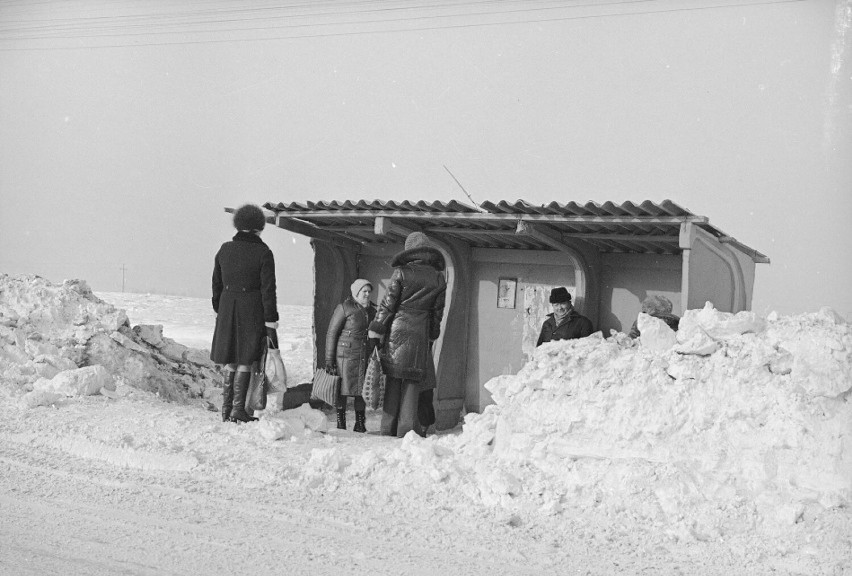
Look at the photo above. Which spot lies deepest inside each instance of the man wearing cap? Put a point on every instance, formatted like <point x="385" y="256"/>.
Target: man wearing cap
<point x="564" y="323"/>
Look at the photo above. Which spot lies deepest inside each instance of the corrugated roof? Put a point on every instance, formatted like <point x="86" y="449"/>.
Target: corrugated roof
<point x="347" y="205"/>
<point x="646" y="227"/>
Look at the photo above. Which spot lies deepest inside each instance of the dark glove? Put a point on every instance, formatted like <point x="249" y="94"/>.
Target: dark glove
<point x="272" y="334"/>
<point x="331" y="368"/>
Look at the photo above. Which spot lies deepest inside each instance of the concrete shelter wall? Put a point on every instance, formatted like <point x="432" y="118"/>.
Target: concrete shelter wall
<point x="716" y="275"/>
<point x="748" y="268"/>
<point x="334" y="272"/>
<point x="627" y="279"/>
<point x="499" y="339"/>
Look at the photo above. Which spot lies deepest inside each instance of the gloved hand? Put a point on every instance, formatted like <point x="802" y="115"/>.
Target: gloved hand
<point x="272" y="334"/>
<point x="331" y="368"/>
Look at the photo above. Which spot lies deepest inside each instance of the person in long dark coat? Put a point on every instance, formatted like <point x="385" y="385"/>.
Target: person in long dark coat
<point x="246" y="308"/>
<point x="564" y="323"/>
<point x="409" y="318"/>
<point x="347" y="350"/>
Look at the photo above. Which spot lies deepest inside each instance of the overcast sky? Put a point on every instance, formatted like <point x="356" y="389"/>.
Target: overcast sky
<point x="127" y="127"/>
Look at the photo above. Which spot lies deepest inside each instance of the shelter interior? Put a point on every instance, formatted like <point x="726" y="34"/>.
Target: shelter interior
<point x="504" y="258"/>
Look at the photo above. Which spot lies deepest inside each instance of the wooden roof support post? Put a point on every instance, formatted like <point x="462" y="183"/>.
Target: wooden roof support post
<point x="385" y="226"/>
<point x="306" y="229"/>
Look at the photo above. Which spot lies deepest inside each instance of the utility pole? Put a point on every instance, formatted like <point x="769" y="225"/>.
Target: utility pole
<point x="123" y="269"/>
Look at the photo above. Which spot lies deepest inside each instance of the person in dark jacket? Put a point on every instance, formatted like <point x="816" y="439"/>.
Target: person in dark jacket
<point x="246" y="309"/>
<point x="564" y="323"/>
<point x="659" y="307"/>
<point x="347" y="350"/>
<point x="409" y="318"/>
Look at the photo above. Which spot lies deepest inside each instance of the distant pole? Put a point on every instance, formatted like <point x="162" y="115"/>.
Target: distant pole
<point x="123" y="268"/>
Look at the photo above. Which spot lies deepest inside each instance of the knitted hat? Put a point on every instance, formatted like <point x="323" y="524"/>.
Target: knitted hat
<point x="357" y="285"/>
<point x="416" y="240"/>
<point x="249" y="217"/>
<point x="558" y="295"/>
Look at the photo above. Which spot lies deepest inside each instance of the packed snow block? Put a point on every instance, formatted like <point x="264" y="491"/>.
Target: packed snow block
<point x="152" y="334"/>
<point x="718" y="325"/>
<point x="40" y="398"/>
<point x="817" y="349"/>
<point x="49" y="328"/>
<point x="144" y="367"/>
<point x="715" y="439"/>
<point x="291" y="423"/>
<point x="86" y="381"/>
<point x="654" y="333"/>
<point x="277" y="426"/>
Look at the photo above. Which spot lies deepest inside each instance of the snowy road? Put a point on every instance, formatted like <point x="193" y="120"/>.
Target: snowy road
<point x="71" y="514"/>
<point x="70" y="506"/>
<point x="94" y="521"/>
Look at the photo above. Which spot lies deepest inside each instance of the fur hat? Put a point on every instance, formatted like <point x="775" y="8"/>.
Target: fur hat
<point x="357" y="285"/>
<point x="558" y="295"/>
<point x="416" y="240"/>
<point x="249" y="217"/>
<point x="657" y="305"/>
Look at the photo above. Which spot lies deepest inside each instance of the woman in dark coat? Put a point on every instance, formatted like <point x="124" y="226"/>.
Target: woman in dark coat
<point x="347" y="350"/>
<point x="410" y="318"/>
<point x="246" y="309"/>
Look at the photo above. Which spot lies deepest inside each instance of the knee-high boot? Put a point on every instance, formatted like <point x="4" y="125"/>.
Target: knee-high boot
<point x="241" y="385"/>
<point x="227" y="395"/>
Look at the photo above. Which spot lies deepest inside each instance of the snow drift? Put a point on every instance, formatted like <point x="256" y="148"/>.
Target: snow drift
<point x="59" y="341"/>
<point x="731" y="423"/>
<point x="738" y="420"/>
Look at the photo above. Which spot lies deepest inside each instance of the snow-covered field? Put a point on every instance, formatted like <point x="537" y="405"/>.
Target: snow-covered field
<point x="723" y="449"/>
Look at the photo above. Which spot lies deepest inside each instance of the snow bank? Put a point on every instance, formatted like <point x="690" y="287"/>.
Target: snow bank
<point x="59" y="341"/>
<point x="732" y="422"/>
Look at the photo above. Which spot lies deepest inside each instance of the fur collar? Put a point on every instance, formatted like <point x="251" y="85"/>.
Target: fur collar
<point x="425" y="254"/>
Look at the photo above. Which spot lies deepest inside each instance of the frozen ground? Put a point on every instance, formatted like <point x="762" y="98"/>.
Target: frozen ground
<point x="724" y="449"/>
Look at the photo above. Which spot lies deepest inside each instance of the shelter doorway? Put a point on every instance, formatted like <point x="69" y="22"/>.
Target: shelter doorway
<point x="503" y="329"/>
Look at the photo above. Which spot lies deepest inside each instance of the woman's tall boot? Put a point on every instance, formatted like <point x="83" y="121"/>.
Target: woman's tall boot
<point x="241" y="385"/>
<point x="227" y="395"/>
<point x="360" y="421"/>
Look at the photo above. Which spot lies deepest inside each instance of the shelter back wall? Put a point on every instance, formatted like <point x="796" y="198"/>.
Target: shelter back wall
<point x="500" y="338"/>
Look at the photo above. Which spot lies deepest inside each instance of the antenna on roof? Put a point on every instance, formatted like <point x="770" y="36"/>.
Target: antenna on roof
<point x="463" y="190"/>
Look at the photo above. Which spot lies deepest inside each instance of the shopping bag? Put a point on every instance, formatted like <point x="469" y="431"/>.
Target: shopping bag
<point x="276" y="374"/>
<point x="326" y="387"/>
<point x="374" y="382"/>
<point x="258" y="388"/>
